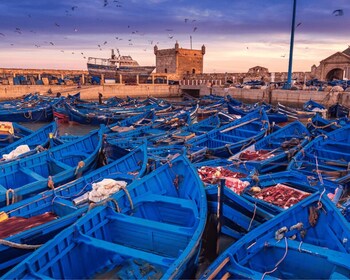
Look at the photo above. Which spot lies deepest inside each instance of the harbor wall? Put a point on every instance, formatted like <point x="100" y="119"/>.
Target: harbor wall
<point x="90" y="92"/>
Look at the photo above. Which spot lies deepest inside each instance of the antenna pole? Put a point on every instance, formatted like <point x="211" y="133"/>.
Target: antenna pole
<point x="191" y="42"/>
<point x="289" y="81"/>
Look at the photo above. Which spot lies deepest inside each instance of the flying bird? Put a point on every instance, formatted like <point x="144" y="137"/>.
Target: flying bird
<point x="194" y="29"/>
<point x="171" y="36"/>
<point x="168" y="30"/>
<point x="193" y="20"/>
<point x="338" y="12"/>
<point x="2" y="34"/>
<point x="298" y="24"/>
<point x="57" y="24"/>
<point x="52" y="44"/>
<point x="186" y="19"/>
<point x="105" y="42"/>
<point x="74" y="7"/>
<point x="105" y="3"/>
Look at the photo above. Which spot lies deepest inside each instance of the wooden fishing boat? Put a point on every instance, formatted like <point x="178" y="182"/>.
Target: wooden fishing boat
<point x="34" y="141"/>
<point x="152" y="229"/>
<point x="273" y="116"/>
<point x="308" y="241"/>
<point x="279" y="191"/>
<point x="319" y="125"/>
<point x="273" y="152"/>
<point x="235" y="136"/>
<point x="36" y="220"/>
<point x="11" y="132"/>
<point x="327" y="156"/>
<point x="313" y="106"/>
<point x="224" y="182"/>
<point x="34" y="111"/>
<point x="338" y="111"/>
<point x="51" y="168"/>
<point x="294" y="114"/>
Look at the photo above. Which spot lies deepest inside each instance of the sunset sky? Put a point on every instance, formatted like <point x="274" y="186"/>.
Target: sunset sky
<point x="238" y="34"/>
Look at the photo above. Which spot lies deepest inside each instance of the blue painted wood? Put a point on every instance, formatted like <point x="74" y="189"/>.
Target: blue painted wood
<point x="158" y="229"/>
<point x="31" y="174"/>
<point x="60" y="202"/>
<point x="291" y="246"/>
<point x="41" y="137"/>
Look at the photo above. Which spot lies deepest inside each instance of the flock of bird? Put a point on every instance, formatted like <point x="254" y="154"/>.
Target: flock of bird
<point x="118" y="4"/>
<point x="105" y="3"/>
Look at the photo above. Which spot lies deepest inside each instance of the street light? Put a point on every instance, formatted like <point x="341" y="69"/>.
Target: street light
<point x="289" y="80"/>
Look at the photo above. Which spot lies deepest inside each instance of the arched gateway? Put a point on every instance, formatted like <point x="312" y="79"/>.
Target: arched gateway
<point x="336" y="66"/>
<point x="335" y="74"/>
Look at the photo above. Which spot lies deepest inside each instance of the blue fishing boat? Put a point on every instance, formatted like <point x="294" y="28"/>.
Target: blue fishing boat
<point x="319" y="125"/>
<point x="34" y="141"/>
<point x="36" y="220"/>
<point x="308" y="241"/>
<point x="152" y="229"/>
<point x="273" y="152"/>
<point x="338" y="111"/>
<point x="313" y="106"/>
<point x="327" y="156"/>
<point x="279" y="191"/>
<point x="236" y="215"/>
<point x="25" y="177"/>
<point x="11" y="132"/>
<point x="233" y="137"/>
<point x="34" y="111"/>
<point x="273" y="115"/>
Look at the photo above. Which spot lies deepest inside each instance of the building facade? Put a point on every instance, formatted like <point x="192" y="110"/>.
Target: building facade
<point x="177" y="61"/>
<point x="336" y="66"/>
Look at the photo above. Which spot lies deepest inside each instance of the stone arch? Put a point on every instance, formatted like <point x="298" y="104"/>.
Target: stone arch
<point x="335" y="74"/>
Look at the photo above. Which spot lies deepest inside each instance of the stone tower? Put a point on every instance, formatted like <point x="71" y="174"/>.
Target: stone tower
<point x="179" y="61"/>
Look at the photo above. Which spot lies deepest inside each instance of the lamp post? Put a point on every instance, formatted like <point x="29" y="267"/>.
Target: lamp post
<point x="289" y="80"/>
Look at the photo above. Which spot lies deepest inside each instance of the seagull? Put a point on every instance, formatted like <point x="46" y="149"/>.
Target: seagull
<point x="171" y="36"/>
<point x="2" y="34"/>
<point x="298" y="24"/>
<point x="186" y="19"/>
<point x="74" y="7"/>
<point x="52" y="44"/>
<point x="105" y="42"/>
<point x="57" y="24"/>
<point x="338" y="12"/>
<point x="105" y="3"/>
<point x="168" y="30"/>
<point x="194" y="29"/>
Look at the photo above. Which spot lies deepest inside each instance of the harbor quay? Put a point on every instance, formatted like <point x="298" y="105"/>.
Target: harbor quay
<point x="90" y="92"/>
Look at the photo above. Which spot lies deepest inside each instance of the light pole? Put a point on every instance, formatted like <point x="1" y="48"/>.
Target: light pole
<point x="289" y="80"/>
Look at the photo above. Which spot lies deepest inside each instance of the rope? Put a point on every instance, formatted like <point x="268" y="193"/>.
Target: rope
<point x="8" y="196"/>
<point x="28" y="115"/>
<point x="18" y="245"/>
<point x="252" y="219"/>
<point x="279" y="262"/>
<point x="324" y="126"/>
<point x="129" y="197"/>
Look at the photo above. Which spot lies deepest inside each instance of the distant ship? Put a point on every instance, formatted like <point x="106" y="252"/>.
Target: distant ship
<point x="116" y="65"/>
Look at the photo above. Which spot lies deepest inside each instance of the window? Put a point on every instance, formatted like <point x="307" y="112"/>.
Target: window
<point x="193" y="71"/>
<point x="165" y="70"/>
